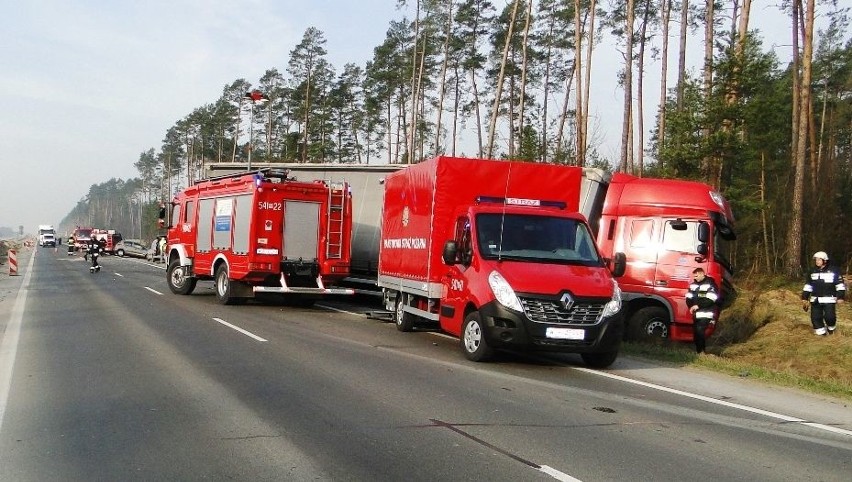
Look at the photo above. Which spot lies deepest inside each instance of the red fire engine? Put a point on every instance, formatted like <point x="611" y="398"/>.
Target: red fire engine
<point x="260" y="232"/>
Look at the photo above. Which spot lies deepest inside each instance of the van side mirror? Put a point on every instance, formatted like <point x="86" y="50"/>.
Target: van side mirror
<point x="702" y="249"/>
<point x="703" y="232"/>
<point x="619" y="265"/>
<point x="450" y="252"/>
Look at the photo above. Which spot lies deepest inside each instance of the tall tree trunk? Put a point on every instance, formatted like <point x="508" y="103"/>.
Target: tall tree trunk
<point x="626" y="146"/>
<point x="794" y="235"/>
<point x="563" y="117"/>
<point x="524" y="75"/>
<point x="498" y="93"/>
<point x="681" y="63"/>
<point x="456" y="102"/>
<point x="441" y="90"/>
<point x="587" y="84"/>
<point x="640" y="96"/>
<point x="477" y="112"/>
<point x="763" y="208"/>
<point x="666" y="8"/>
<point x="580" y="155"/>
<point x="709" y="35"/>
<point x="543" y="153"/>
<point x="409" y="145"/>
<point x="794" y="125"/>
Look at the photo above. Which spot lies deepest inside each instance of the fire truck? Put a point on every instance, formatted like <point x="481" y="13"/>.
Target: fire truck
<point x="665" y="227"/>
<point x="81" y="237"/>
<point x="108" y="238"/>
<point x="260" y="232"/>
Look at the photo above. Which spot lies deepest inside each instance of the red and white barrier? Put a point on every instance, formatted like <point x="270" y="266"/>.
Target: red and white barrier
<point x="13" y="263"/>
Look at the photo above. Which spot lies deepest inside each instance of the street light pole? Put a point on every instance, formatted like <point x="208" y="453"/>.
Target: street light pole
<point x="253" y="97"/>
<point x="251" y="132"/>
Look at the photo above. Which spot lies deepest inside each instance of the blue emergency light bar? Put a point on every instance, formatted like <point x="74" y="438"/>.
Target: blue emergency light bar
<point x="514" y="201"/>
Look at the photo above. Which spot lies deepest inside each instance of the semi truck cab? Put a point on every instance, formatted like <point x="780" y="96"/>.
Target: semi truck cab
<point x="666" y="228"/>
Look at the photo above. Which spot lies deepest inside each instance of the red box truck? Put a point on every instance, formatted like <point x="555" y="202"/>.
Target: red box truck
<point x="496" y="253"/>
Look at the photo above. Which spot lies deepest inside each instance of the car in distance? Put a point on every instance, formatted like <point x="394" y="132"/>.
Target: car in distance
<point x="131" y="247"/>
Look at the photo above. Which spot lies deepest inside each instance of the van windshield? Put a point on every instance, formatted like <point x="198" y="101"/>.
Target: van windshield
<point x="547" y="239"/>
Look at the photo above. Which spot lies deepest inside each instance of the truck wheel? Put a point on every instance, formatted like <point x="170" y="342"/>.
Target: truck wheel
<point x="650" y="324"/>
<point x="404" y="321"/>
<point x="473" y="341"/>
<point x="599" y="360"/>
<point x="223" y="287"/>
<point x="179" y="279"/>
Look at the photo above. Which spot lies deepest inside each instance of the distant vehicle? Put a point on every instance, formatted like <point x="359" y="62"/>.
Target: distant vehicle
<point x="132" y="248"/>
<point x="81" y="237"/>
<point x="46" y="235"/>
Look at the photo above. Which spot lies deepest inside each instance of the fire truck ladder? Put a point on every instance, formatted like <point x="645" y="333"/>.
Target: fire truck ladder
<point x="336" y="207"/>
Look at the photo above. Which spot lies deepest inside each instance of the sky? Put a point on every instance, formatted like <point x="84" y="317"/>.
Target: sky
<point x="86" y="85"/>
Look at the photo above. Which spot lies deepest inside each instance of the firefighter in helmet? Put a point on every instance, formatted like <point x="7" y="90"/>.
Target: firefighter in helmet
<point x="702" y="299"/>
<point x="824" y="288"/>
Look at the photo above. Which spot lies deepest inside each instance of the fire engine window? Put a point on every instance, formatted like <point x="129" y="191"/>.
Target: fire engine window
<point x="642" y="233"/>
<point x="681" y="240"/>
<point x="175" y="215"/>
<point x="189" y="212"/>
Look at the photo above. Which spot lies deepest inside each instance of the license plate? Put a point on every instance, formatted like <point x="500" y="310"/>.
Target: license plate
<point x="565" y="333"/>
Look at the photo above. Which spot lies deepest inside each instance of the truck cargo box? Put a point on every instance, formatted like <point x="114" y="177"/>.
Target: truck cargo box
<point x="422" y="201"/>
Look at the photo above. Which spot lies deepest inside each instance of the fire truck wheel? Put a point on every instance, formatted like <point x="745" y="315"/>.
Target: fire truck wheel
<point x="473" y="341"/>
<point x="179" y="281"/>
<point x="599" y="360"/>
<point x="224" y="293"/>
<point x="650" y="324"/>
<point x="404" y="321"/>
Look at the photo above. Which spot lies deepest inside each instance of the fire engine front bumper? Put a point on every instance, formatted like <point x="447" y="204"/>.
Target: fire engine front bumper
<point x="320" y="289"/>
<point x="509" y="329"/>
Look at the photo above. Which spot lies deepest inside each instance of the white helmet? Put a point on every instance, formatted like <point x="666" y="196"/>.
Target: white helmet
<point x="821" y="255"/>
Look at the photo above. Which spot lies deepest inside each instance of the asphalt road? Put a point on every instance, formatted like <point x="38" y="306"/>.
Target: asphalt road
<point x="109" y="376"/>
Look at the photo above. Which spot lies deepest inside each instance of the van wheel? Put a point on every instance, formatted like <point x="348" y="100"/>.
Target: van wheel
<point x="600" y="360"/>
<point x="473" y="341"/>
<point x="179" y="279"/>
<point x="224" y="294"/>
<point x="650" y="324"/>
<point x="404" y="321"/>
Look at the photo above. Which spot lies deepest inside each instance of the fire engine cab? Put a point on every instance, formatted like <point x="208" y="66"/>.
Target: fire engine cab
<point x="260" y="232"/>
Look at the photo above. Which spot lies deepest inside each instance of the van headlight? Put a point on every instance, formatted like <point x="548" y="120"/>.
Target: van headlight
<point x="614" y="304"/>
<point x="504" y="292"/>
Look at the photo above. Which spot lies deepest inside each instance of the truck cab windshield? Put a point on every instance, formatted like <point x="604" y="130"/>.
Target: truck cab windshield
<point x="547" y="239"/>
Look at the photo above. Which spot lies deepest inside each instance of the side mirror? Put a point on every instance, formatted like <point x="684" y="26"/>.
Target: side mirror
<point x="702" y="249"/>
<point x="450" y="251"/>
<point x="678" y="225"/>
<point x="703" y="232"/>
<point x="619" y="265"/>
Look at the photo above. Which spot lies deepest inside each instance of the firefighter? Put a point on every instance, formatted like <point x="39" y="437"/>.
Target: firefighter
<point x="702" y="298"/>
<point x="93" y="249"/>
<point x="70" y="245"/>
<point x="824" y="288"/>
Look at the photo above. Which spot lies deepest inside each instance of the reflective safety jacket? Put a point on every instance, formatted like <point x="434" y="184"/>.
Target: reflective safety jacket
<point x="706" y="296"/>
<point x="824" y="285"/>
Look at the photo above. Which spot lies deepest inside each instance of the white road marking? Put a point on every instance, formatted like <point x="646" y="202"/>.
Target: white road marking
<point x="338" y="310"/>
<point x="244" y="332"/>
<point x="152" y="290"/>
<point x="9" y="344"/>
<point x="119" y="275"/>
<point x="557" y="474"/>
<point x="746" y="408"/>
